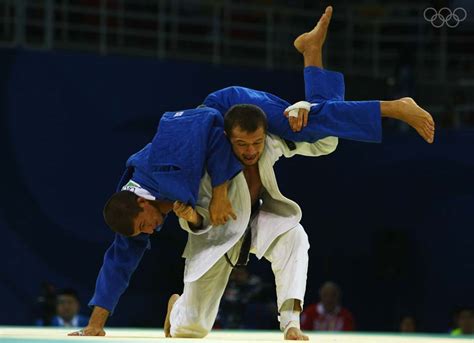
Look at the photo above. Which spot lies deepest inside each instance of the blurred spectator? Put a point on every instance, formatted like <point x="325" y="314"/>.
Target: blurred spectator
<point x="67" y="311"/>
<point x="407" y="324"/>
<point x="328" y="314"/>
<point x="45" y="307"/>
<point x="464" y="322"/>
<point x="246" y="303"/>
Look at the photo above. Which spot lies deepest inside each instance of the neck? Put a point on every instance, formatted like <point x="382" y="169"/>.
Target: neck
<point x="250" y="168"/>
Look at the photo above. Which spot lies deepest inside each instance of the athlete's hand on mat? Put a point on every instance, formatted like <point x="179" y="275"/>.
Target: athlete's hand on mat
<point x="220" y="209"/>
<point x="297" y="123"/>
<point x="89" y="331"/>
<point x="187" y="213"/>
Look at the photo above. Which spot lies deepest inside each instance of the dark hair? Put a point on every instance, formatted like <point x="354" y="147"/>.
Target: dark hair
<point x="248" y="117"/>
<point x="120" y="211"/>
<point x="68" y="291"/>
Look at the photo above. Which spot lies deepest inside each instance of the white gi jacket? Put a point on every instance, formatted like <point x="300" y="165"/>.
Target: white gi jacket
<point x="276" y="216"/>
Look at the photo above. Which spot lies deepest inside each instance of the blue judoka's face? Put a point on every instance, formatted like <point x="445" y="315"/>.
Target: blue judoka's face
<point x="150" y="217"/>
<point x="248" y="146"/>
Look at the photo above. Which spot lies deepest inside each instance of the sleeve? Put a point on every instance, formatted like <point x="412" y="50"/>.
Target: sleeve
<point x="120" y="261"/>
<point x="201" y="207"/>
<point x="221" y="163"/>
<point x="288" y="149"/>
<point x="206" y="225"/>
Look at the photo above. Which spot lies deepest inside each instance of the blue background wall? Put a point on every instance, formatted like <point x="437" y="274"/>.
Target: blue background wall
<point x="392" y="223"/>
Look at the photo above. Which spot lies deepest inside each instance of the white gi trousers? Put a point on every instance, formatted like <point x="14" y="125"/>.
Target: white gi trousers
<point x="194" y="313"/>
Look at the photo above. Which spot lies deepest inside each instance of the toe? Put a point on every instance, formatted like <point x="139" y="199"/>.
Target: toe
<point x="429" y="136"/>
<point x="431" y="122"/>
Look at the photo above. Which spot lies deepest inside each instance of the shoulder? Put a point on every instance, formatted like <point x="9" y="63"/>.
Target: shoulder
<point x="274" y="142"/>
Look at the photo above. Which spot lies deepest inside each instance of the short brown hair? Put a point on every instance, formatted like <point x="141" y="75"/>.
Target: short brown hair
<point x="248" y="117"/>
<point x="120" y="211"/>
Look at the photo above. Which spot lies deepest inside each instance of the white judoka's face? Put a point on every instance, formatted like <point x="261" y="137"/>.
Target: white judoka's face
<point x="248" y="146"/>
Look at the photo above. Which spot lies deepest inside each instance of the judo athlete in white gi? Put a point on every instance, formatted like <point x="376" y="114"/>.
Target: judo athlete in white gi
<point x="275" y="232"/>
<point x="263" y="213"/>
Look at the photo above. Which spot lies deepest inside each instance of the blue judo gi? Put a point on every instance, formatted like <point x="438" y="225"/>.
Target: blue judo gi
<point x="330" y="115"/>
<point x="161" y="167"/>
<point x="170" y="167"/>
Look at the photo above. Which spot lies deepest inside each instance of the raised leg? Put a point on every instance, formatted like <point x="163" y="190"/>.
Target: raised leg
<point x="408" y="111"/>
<point x="310" y="44"/>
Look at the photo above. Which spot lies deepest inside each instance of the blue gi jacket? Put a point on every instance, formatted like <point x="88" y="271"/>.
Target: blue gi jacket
<point x="170" y="168"/>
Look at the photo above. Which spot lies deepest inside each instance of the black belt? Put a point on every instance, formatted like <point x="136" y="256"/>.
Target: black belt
<point x="245" y="248"/>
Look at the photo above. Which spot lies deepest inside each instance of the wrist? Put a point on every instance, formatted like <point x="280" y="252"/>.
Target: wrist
<point x="197" y="221"/>
<point x="220" y="190"/>
<point x="98" y="318"/>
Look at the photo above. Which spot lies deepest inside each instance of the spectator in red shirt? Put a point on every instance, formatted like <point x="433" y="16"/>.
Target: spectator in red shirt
<point x="328" y="314"/>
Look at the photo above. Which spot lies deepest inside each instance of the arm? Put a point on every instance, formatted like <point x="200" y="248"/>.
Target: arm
<point x="288" y="149"/>
<point x="120" y="261"/>
<point x="201" y="208"/>
<point x="220" y="207"/>
<point x="189" y="214"/>
<point x="96" y="323"/>
<point x="221" y="165"/>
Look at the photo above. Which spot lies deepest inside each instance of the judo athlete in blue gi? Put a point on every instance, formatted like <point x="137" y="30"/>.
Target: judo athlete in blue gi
<point x="142" y="179"/>
<point x="165" y="172"/>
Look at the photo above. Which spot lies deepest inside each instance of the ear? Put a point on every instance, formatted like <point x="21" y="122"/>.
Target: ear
<point x="141" y="201"/>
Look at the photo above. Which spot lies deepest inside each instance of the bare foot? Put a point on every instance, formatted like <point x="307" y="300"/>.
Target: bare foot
<point x="167" y="325"/>
<point x="418" y="118"/>
<point x="316" y="37"/>
<point x="294" y="334"/>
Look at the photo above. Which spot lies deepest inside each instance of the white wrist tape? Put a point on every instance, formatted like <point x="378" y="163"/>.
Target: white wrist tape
<point x="293" y="109"/>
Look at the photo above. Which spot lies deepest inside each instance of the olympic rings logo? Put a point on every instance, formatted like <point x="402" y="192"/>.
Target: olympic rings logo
<point x="445" y="16"/>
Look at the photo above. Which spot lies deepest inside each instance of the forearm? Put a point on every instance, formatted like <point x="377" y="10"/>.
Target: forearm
<point x="120" y="261"/>
<point x="220" y="191"/>
<point x="99" y="317"/>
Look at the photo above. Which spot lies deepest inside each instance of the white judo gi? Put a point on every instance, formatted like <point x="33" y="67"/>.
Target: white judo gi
<point x="276" y="235"/>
